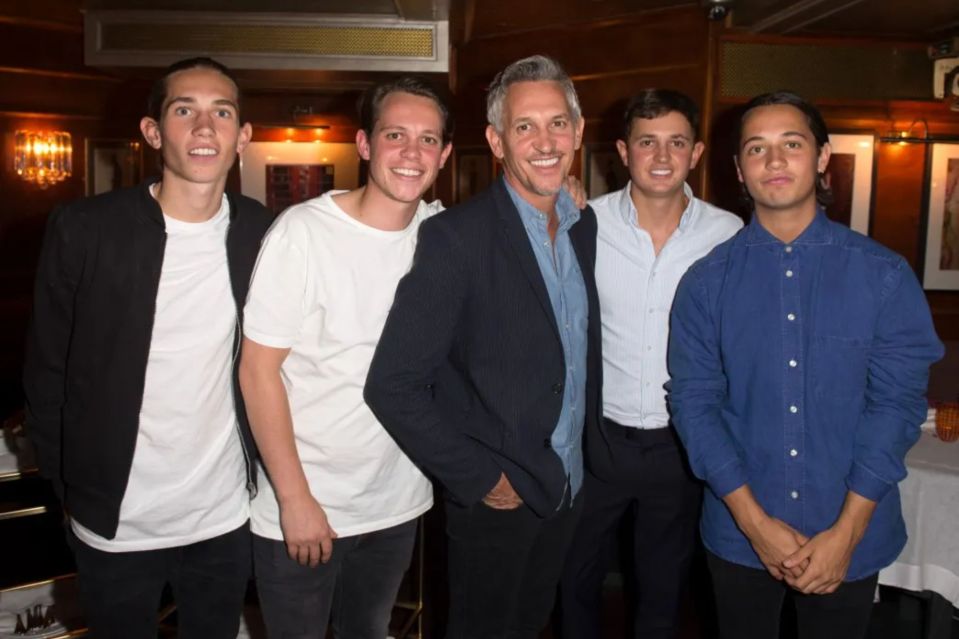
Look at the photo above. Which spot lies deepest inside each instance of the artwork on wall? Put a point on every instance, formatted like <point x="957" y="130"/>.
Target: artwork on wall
<point x="603" y="169"/>
<point x="112" y="164"/>
<point x="289" y="184"/>
<point x="474" y="171"/>
<point x="941" y="263"/>
<point x="849" y="176"/>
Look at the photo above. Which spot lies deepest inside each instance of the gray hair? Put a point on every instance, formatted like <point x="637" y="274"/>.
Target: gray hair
<point x="536" y="68"/>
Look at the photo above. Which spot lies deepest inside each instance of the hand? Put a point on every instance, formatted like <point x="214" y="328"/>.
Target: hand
<point x="307" y="533"/>
<point x="827" y="557"/>
<point x="576" y="191"/>
<point x="774" y="540"/>
<point x="503" y="497"/>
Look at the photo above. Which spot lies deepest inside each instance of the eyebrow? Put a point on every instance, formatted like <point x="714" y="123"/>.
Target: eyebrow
<point x="790" y="134"/>
<point x="188" y="100"/>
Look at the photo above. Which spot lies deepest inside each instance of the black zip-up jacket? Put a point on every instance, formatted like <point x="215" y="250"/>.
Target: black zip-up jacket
<point x="89" y="340"/>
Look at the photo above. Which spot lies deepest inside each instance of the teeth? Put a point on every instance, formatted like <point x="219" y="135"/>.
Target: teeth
<point x="408" y="172"/>
<point x="661" y="172"/>
<point x="203" y="152"/>
<point x="544" y="163"/>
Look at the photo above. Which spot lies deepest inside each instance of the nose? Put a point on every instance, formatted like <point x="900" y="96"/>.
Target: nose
<point x="544" y="141"/>
<point x="775" y="157"/>
<point x="411" y="149"/>
<point x="203" y="123"/>
<point x="661" y="152"/>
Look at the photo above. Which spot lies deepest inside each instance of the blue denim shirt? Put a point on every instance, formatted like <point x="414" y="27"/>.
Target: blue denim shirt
<point x="801" y="370"/>
<point x="567" y="294"/>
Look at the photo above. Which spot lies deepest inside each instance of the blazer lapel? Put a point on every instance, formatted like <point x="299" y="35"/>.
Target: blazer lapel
<point x="519" y="241"/>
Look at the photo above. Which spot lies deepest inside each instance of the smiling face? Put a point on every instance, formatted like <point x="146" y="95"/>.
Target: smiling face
<point x="660" y="153"/>
<point x="199" y="133"/>
<point x="405" y="149"/>
<point x="538" y="140"/>
<point x="778" y="161"/>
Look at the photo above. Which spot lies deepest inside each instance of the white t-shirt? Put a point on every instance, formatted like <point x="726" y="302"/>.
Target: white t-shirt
<point x="322" y="287"/>
<point x="188" y="480"/>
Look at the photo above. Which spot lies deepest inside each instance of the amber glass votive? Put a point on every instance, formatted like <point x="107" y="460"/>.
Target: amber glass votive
<point x="947" y="421"/>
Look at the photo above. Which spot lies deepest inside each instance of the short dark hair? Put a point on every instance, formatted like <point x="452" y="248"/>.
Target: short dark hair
<point x="372" y="101"/>
<point x="814" y="119"/>
<point x="158" y="93"/>
<point x="653" y="103"/>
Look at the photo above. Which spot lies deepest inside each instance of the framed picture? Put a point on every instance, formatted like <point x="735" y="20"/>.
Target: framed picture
<point x="289" y="184"/>
<point x="603" y="169"/>
<point x="475" y="171"/>
<point x="941" y="252"/>
<point x="849" y="176"/>
<point x="112" y="164"/>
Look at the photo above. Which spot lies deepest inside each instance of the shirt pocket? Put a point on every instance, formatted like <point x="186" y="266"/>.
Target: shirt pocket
<point x="839" y="367"/>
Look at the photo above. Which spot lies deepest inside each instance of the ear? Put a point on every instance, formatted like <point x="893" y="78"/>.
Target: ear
<point x="495" y="142"/>
<point x="739" y="172"/>
<point x="823" y="160"/>
<point x="580" y="125"/>
<point x="698" y="149"/>
<point x="446" y="154"/>
<point x="150" y="129"/>
<point x="363" y="145"/>
<point x="246" y="134"/>
<point x="623" y="150"/>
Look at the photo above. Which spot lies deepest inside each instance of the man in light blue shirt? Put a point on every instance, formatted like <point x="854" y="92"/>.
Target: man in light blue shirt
<point x="649" y="233"/>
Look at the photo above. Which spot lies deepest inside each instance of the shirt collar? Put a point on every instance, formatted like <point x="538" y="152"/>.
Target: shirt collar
<point x="532" y="217"/>
<point x="818" y="231"/>
<point x="628" y="210"/>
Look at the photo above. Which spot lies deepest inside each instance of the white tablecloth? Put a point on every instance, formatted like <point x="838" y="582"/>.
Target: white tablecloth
<point x="930" y="506"/>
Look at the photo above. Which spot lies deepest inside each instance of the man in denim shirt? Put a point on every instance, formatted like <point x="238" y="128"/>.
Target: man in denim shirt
<point x="799" y="356"/>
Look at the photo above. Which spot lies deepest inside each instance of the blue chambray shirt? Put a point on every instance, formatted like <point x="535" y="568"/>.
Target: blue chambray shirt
<point x="801" y="369"/>
<point x="567" y="294"/>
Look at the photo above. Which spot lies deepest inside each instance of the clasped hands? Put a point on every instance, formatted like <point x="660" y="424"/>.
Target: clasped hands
<point x="814" y="565"/>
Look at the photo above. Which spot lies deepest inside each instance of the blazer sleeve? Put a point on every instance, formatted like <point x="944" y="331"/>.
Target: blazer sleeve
<point x="415" y="344"/>
<point x="48" y="339"/>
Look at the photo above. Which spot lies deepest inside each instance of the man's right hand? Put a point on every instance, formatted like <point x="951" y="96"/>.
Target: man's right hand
<point x="774" y="540"/>
<point x="503" y="497"/>
<point x="306" y="531"/>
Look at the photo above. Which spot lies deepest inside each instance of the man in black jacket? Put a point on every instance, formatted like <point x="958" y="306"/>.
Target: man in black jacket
<point x="489" y="363"/>
<point x="130" y="375"/>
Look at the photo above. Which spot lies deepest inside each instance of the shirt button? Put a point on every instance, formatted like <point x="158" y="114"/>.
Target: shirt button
<point x="793" y="363"/>
<point x="791" y="317"/>
<point x="794" y="494"/>
<point x="652" y="310"/>
<point x="649" y="348"/>
<point x="789" y="273"/>
<point x="788" y="249"/>
<point x="793" y="410"/>
<point x="557" y="388"/>
<point x="793" y="452"/>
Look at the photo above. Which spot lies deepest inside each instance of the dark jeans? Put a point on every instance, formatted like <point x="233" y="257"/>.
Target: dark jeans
<point x="749" y="603"/>
<point x="356" y="587"/>
<point x="120" y="592"/>
<point x="503" y="568"/>
<point x="663" y="500"/>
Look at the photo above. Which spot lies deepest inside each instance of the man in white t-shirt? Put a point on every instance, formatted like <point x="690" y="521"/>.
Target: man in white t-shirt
<point x="334" y="527"/>
<point x="130" y="372"/>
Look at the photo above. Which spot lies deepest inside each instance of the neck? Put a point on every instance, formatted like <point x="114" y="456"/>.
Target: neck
<point x="658" y="214"/>
<point x="373" y="208"/>
<point x="187" y="201"/>
<point x="786" y="224"/>
<point x="543" y="203"/>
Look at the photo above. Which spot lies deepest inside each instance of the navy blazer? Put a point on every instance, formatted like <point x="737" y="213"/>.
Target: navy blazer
<point x="468" y="374"/>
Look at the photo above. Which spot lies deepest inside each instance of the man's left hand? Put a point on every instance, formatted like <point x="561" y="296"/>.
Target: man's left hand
<point x="828" y="555"/>
<point x="576" y="191"/>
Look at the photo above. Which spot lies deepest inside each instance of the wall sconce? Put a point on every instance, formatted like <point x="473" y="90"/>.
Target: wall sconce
<point x="44" y="158"/>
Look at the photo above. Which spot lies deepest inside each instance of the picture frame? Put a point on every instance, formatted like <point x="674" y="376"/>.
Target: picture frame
<point x="850" y="177"/>
<point x="475" y="170"/>
<point x="112" y="164"/>
<point x="941" y="221"/>
<point x="603" y="169"/>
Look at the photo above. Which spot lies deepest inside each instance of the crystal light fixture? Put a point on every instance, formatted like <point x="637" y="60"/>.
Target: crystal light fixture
<point x="43" y="157"/>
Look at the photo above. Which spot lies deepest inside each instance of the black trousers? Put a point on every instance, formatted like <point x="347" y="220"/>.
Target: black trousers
<point x="355" y="589"/>
<point x="503" y="568"/>
<point x="120" y="592"/>
<point x="749" y="604"/>
<point x="663" y="500"/>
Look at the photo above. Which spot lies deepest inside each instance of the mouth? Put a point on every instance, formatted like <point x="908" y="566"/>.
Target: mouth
<point x="778" y="180"/>
<point x="204" y="151"/>
<point x="661" y="172"/>
<point x="545" y="163"/>
<point x="404" y="172"/>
